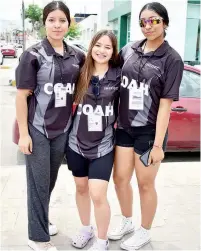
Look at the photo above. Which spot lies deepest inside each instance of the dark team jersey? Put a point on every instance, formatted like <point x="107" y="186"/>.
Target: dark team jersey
<point x="147" y="78"/>
<point x="92" y="134"/>
<point x="52" y="77"/>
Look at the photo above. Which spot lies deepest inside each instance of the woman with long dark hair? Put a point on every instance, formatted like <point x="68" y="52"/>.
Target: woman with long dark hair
<point x="49" y="71"/>
<point x="151" y="76"/>
<point x="90" y="153"/>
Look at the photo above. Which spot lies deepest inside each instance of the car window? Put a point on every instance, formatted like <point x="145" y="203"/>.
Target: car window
<point x="190" y="85"/>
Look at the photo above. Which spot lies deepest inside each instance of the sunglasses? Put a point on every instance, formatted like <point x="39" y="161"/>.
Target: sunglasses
<point x="95" y="86"/>
<point x="151" y="21"/>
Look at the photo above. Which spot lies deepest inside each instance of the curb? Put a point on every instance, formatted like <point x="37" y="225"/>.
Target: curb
<point x="5" y="67"/>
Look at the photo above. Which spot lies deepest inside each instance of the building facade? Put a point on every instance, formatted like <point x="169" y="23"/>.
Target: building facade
<point x="88" y="27"/>
<point x="119" y="19"/>
<point x="183" y="32"/>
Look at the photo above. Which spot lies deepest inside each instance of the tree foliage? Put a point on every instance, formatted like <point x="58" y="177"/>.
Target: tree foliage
<point x="34" y="14"/>
<point x="74" y="30"/>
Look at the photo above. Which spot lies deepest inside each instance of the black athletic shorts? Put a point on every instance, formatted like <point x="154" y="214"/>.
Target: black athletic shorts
<point x="100" y="168"/>
<point x="140" y="138"/>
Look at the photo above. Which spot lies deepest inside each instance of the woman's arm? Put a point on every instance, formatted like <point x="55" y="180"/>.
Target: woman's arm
<point x="25" y="142"/>
<point x="162" y="122"/>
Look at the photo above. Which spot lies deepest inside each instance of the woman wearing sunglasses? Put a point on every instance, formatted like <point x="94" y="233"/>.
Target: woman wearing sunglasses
<point x="90" y="154"/>
<point x="151" y="76"/>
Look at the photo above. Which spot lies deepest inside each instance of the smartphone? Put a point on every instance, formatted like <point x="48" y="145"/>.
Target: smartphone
<point x="145" y="157"/>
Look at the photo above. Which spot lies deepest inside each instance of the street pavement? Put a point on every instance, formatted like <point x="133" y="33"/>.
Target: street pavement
<point x="176" y="225"/>
<point x="177" y="222"/>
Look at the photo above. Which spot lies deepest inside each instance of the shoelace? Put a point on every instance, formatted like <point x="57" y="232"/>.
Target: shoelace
<point x="122" y="225"/>
<point x="140" y="233"/>
<point x="48" y="245"/>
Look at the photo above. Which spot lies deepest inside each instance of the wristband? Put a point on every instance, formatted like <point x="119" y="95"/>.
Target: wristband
<point x="158" y="146"/>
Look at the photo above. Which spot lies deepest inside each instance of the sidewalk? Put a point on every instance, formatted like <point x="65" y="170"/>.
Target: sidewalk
<point x="176" y="225"/>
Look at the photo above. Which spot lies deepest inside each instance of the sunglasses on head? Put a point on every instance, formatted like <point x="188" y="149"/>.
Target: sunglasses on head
<point x="95" y="86"/>
<point x="151" y="21"/>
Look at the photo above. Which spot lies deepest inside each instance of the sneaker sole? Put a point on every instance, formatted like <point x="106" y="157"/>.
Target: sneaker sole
<point x="54" y="234"/>
<point x="133" y="247"/>
<point x="84" y="244"/>
<point x="119" y="237"/>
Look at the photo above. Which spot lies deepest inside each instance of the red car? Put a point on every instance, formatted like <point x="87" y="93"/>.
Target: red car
<point x="9" y="51"/>
<point x="184" y="127"/>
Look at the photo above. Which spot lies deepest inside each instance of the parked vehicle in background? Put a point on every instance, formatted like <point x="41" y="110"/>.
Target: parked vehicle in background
<point x="78" y="44"/>
<point x="18" y="45"/>
<point x="9" y="50"/>
<point x="198" y="66"/>
<point x="184" y="127"/>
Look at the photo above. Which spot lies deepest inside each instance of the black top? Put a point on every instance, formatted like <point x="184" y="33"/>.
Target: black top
<point x="146" y="78"/>
<point x="52" y="77"/>
<point x="93" y="129"/>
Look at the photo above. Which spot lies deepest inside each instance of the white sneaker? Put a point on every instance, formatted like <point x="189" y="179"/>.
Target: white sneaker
<point x="125" y="227"/>
<point x="40" y="246"/>
<point x="138" y="240"/>
<point x="81" y="239"/>
<point x="53" y="230"/>
<point x="98" y="247"/>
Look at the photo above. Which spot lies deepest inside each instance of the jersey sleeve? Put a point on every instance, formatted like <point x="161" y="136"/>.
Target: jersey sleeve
<point x="173" y="80"/>
<point x="26" y="72"/>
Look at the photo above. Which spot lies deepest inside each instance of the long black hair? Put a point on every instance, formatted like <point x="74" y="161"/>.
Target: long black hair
<point x="56" y="5"/>
<point x="159" y="9"/>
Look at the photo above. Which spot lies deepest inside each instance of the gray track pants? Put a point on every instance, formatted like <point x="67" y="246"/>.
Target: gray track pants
<point x="42" y="169"/>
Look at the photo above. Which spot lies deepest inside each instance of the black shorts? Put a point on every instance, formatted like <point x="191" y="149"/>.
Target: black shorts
<point x="100" y="168"/>
<point x="140" y="138"/>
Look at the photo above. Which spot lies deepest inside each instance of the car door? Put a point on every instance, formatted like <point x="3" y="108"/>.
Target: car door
<point x="184" y="127"/>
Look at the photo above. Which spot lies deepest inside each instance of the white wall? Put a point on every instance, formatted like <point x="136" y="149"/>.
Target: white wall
<point x="88" y="27"/>
<point x="177" y="10"/>
<point x="104" y="7"/>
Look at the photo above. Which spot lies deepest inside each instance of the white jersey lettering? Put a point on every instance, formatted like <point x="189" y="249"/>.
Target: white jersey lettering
<point x="88" y="110"/>
<point x="133" y="85"/>
<point x="49" y="88"/>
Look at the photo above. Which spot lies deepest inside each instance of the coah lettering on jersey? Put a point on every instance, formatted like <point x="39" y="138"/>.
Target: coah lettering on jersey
<point x="133" y="85"/>
<point x="98" y="110"/>
<point x="49" y="88"/>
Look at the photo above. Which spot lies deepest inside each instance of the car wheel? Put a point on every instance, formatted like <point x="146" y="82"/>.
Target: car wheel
<point x="1" y="62"/>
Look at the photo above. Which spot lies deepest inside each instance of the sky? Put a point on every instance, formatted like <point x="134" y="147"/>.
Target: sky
<point x="10" y="9"/>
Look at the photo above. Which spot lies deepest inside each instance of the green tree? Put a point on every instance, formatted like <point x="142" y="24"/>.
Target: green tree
<point x="41" y="32"/>
<point x="74" y="30"/>
<point x="34" y="14"/>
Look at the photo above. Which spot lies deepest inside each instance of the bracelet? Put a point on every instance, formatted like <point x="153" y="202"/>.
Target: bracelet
<point x="158" y="146"/>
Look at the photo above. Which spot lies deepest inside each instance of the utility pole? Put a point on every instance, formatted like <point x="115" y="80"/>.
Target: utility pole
<point x="23" y="26"/>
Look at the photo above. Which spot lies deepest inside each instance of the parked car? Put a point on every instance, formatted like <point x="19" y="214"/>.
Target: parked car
<point x="184" y="126"/>
<point x="18" y="45"/>
<point x="9" y="50"/>
<point x="77" y="44"/>
<point x="1" y="58"/>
